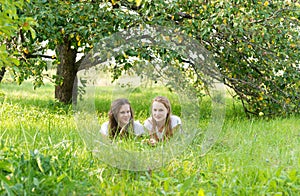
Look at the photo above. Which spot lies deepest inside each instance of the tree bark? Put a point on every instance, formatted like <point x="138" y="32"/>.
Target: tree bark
<point x="66" y="72"/>
<point x="2" y="72"/>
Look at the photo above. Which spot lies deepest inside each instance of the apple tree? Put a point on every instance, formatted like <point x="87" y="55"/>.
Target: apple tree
<point x="255" y="44"/>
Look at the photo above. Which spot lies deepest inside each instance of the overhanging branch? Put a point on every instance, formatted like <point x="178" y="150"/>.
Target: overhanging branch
<point x="40" y="55"/>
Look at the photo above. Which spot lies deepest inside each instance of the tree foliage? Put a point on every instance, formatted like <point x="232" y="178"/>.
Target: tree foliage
<point x="254" y="43"/>
<point x="10" y="24"/>
<point x="256" y="46"/>
<point x="70" y="28"/>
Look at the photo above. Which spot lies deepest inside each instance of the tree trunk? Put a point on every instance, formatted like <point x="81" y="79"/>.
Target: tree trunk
<point x="2" y="72"/>
<point x="66" y="72"/>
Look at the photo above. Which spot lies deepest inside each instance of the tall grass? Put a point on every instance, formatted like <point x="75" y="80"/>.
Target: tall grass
<point x="41" y="152"/>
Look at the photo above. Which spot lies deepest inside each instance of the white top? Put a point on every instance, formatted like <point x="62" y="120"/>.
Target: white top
<point x="137" y="127"/>
<point x="175" y="120"/>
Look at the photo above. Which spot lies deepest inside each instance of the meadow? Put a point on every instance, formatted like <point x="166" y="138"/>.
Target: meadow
<point x="42" y="153"/>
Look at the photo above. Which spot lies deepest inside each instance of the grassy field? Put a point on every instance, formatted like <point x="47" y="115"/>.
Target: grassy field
<point x="42" y="153"/>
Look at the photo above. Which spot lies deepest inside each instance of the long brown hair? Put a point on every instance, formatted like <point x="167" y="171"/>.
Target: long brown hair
<point x="167" y="126"/>
<point x="114" y="128"/>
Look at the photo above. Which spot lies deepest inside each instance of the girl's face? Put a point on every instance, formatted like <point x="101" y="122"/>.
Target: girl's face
<point x="159" y="112"/>
<point x="124" y="115"/>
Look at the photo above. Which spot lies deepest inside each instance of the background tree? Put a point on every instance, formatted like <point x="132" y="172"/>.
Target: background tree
<point x="254" y="43"/>
<point x="70" y="28"/>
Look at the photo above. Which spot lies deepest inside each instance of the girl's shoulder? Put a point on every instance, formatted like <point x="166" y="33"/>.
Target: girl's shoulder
<point x="148" y="123"/>
<point x="105" y="124"/>
<point x="175" y="120"/>
<point x="137" y="123"/>
<point x="104" y="128"/>
<point x="138" y="128"/>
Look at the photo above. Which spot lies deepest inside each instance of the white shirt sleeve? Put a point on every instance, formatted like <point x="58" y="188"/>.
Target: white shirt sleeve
<point x="175" y="120"/>
<point x="104" y="129"/>
<point x="148" y="124"/>
<point x="138" y="128"/>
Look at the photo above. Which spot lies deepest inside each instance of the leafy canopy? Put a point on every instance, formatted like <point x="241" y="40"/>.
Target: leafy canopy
<point x="254" y="43"/>
<point x="10" y="24"/>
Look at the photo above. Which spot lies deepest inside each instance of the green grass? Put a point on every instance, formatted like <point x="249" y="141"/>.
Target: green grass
<point x="41" y="152"/>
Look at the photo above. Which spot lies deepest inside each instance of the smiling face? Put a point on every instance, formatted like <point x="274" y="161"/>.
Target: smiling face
<point x="124" y="115"/>
<point x="159" y="112"/>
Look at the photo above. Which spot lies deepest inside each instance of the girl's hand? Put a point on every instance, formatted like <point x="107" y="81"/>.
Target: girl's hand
<point x="152" y="141"/>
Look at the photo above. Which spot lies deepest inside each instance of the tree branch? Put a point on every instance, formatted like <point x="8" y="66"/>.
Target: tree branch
<point x="269" y="18"/>
<point x="39" y="55"/>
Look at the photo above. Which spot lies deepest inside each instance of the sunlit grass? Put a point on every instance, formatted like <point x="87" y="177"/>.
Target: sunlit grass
<point x="41" y="152"/>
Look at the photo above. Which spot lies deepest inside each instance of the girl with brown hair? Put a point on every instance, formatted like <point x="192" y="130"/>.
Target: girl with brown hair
<point x="121" y="121"/>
